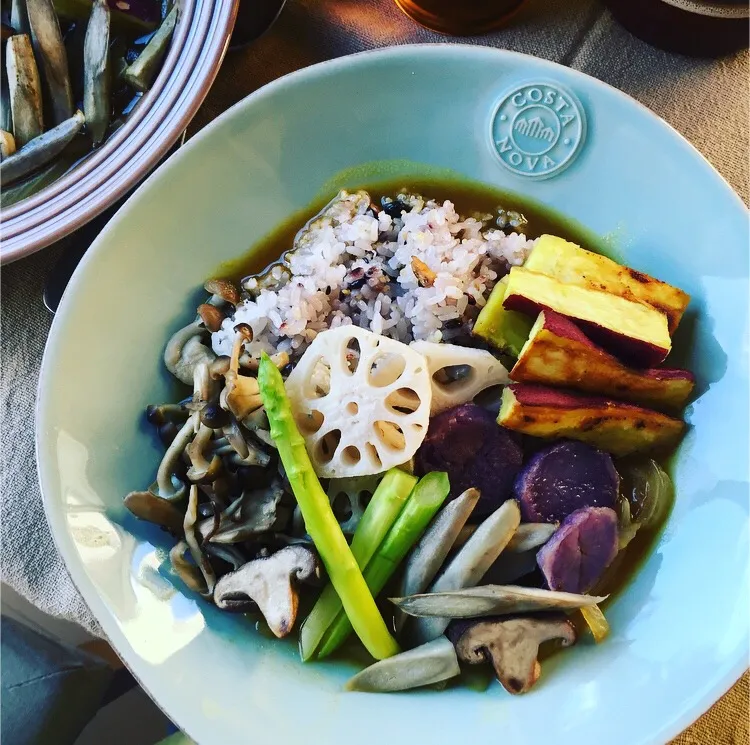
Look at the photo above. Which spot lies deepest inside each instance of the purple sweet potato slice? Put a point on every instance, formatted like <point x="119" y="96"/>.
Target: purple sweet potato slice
<point x="563" y="478"/>
<point x="467" y="442"/>
<point x="575" y="558"/>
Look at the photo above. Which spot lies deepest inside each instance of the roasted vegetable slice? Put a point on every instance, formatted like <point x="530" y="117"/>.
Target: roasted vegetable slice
<point x="458" y="374"/>
<point x="40" y="150"/>
<point x="629" y="329"/>
<point x="575" y="558"/>
<point x="143" y="71"/>
<point x="563" y="478"/>
<point x="559" y="353"/>
<point x="505" y="329"/>
<point x="574" y="265"/>
<point x="53" y="61"/>
<point x="466" y="442"/>
<point x="97" y="83"/>
<point x="613" y="426"/>
<point x="25" y="89"/>
<point x="378" y="412"/>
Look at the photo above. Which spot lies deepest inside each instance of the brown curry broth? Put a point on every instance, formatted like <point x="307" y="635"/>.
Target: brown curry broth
<point x="468" y="198"/>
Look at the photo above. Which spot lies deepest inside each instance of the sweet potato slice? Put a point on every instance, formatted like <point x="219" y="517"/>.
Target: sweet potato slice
<point x="630" y="330"/>
<point x="616" y="427"/>
<point x="574" y="265"/>
<point x="558" y="353"/>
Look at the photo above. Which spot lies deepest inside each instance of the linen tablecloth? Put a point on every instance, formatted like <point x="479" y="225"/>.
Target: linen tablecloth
<point x="707" y="101"/>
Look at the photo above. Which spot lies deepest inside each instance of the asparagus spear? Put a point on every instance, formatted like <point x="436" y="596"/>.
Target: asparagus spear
<point x="426" y="499"/>
<point x="321" y="524"/>
<point x="97" y="81"/>
<point x="140" y="74"/>
<point x="24" y="89"/>
<point x="49" y="50"/>
<point x="40" y="150"/>
<point x="386" y="503"/>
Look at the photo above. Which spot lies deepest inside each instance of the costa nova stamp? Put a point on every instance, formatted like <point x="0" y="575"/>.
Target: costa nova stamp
<point x="538" y="129"/>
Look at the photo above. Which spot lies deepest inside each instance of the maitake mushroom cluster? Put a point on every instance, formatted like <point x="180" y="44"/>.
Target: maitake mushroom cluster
<point x="219" y="488"/>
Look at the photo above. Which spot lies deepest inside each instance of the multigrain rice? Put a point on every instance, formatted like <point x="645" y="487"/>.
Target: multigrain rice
<point x="353" y="264"/>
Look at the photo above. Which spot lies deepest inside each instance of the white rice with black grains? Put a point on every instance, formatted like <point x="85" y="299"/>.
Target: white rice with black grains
<point x="353" y="264"/>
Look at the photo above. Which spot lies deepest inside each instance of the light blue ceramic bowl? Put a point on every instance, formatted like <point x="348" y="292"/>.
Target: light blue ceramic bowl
<point x="680" y="630"/>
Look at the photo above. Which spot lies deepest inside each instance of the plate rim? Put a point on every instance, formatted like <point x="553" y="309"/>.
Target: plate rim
<point x="670" y="729"/>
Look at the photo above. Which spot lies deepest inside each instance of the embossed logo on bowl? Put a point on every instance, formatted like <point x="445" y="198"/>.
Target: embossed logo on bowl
<point x="538" y="129"/>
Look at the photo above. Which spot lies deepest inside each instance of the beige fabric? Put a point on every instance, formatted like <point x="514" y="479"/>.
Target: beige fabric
<point x="705" y="100"/>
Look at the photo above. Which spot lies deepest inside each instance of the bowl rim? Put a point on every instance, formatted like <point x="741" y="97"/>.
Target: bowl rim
<point x="201" y="40"/>
<point x="729" y="676"/>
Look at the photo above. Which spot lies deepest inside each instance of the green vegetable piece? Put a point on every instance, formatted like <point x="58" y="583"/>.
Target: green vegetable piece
<point x="142" y="72"/>
<point x="97" y="80"/>
<point x="507" y="330"/>
<point x="381" y="513"/>
<point x="423" y="503"/>
<point x="431" y="663"/>
<point x="24" y="89"/>
<point x="122" y="23"/>
<point x="49" y="51"/>
<point x="41" y="150"/>
<point x="14" y="193"/>
<point x="321" y="524"/>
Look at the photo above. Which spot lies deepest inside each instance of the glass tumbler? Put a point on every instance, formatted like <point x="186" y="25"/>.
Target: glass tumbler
<point x="460" y="17"/>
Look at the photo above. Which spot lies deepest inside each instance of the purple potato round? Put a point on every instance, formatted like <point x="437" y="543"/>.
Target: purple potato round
<point x="467" y="442"/>
<point x="575" y="558"/>
<point x="563" y="478"/>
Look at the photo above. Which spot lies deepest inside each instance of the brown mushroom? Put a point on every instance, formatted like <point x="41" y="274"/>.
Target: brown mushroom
<point x="211" y="316"/>
<point x="510" y="644"/>
<point x="246" y="453"/>
<point x="257" y="423"/>
<point x="222" y="291"/>
<point x="219" y="367"/>
<point x="213" y="416"/>
<point x="158" y="414"/>
<point x="167" y="484"/>
<point x="252" y="513"/>
<point x="185" y="570"/>
<point x="248" y="362"/>
<point x="153" y="509"/>
<point x="202" y="469"/>
<point x="192" y="539"/>
<point x="270" y="583"/>
<point x="241" y="394"/>
<point x="185" y="350"/>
